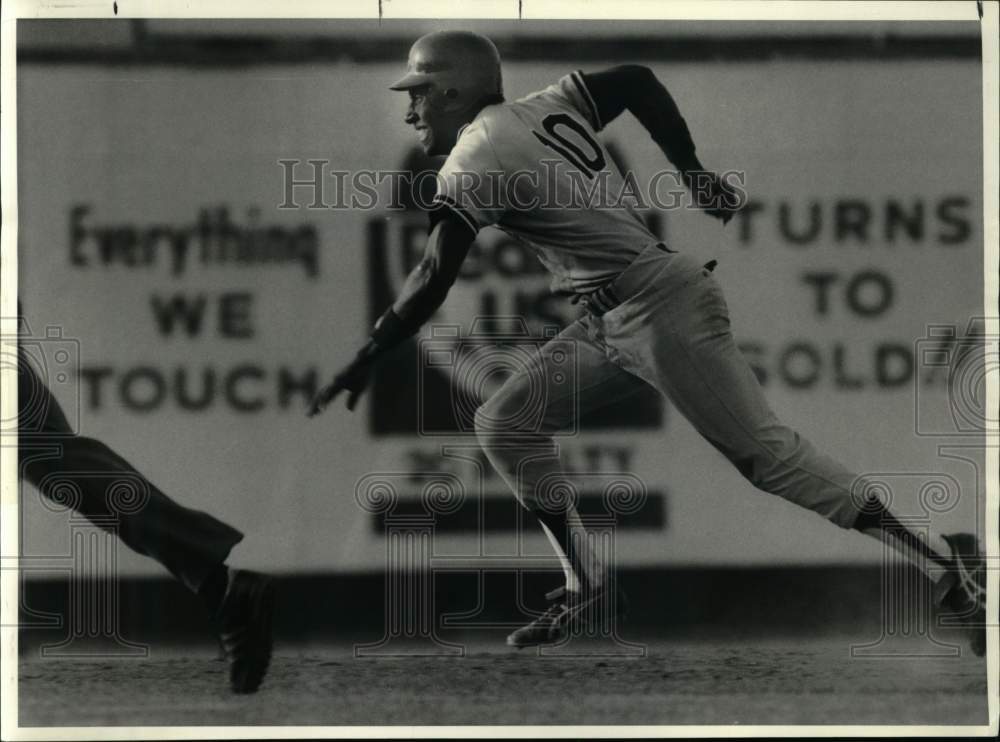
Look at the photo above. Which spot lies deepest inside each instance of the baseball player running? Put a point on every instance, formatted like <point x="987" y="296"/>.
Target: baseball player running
<point x="652" y="312"/>
<point x="192" y="545"/>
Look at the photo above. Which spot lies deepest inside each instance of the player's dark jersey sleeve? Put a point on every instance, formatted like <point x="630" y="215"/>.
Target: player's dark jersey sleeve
<point x="441" y="211"/>
<point x="636" y="89"/>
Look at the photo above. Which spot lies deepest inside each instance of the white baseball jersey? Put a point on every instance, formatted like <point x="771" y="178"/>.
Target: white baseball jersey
<point x="535" y="169"/>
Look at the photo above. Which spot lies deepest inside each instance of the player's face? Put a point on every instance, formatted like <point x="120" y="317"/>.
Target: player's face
<point x="436" y="128"/>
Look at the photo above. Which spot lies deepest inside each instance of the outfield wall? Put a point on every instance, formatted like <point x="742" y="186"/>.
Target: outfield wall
<point x="865" y="228"/>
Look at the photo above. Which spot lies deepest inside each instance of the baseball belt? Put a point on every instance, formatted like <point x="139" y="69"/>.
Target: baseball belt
<point x="604" y="299"/>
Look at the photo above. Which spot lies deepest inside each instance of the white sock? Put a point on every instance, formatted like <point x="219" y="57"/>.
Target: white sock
<point x="572" y="581"/>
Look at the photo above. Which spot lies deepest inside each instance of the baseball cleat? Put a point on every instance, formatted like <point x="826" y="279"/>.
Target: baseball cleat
<point x="245" y="618"/>
<point x="967" y="597"/>
<point x="569" y="612"/>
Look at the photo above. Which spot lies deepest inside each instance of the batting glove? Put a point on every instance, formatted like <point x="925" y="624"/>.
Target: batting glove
<point x="353" y="378"/>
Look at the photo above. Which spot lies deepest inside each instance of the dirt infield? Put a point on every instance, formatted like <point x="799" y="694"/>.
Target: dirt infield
<point x="707" y="682"/>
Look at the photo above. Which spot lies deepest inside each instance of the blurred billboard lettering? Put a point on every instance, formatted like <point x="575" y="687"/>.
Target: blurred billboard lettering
<point x="151" y="229"/>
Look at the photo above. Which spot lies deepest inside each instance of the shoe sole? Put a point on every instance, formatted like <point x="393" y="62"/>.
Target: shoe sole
<point x="532" y="644"/>
<point x="564" y="633"/>
<point x="262" y="602"/>
<point x="971" y="587"/>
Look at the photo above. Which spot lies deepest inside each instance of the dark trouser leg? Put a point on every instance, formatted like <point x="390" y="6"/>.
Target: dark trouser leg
<point x="189" y="543"/>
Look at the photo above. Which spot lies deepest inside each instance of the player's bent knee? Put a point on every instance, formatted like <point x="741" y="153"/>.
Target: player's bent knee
<point x="487" y="432"/>
<point x="505" y="413"/>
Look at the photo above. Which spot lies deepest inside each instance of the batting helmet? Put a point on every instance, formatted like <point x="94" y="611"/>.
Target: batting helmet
<point x="464" y="66"/>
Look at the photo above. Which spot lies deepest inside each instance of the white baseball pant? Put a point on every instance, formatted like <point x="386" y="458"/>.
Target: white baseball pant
<point x="672" y="331"/>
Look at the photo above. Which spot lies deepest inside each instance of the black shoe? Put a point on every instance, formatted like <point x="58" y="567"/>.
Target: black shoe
<point x="569" y="612"/>
<point x="967" y="596"/>
<point x="245" y="618"/>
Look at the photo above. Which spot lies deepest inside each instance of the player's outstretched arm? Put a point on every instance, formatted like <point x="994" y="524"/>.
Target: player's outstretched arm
<point x="423" y="292"/>
<point x="428" y="284"/>
<point x="635" y="88"/>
